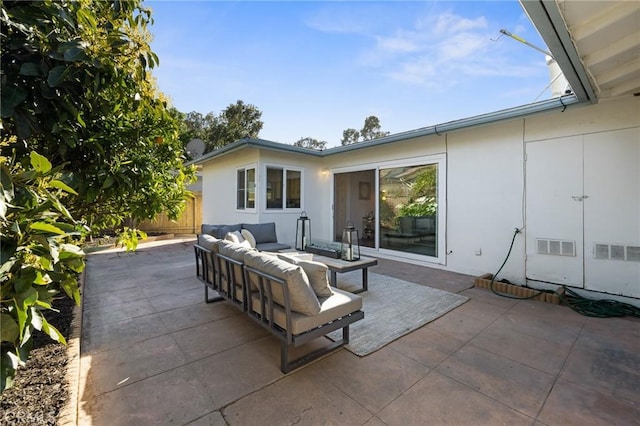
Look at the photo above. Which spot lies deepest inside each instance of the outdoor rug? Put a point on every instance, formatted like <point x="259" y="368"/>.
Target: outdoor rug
<point x="392" y="308"/>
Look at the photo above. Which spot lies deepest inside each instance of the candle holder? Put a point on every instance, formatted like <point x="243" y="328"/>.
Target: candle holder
<point x="303" y="231"/>
<point x="350" y="247"/>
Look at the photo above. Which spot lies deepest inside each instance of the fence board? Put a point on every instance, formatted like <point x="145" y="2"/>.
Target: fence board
<point x="188" y="223"/>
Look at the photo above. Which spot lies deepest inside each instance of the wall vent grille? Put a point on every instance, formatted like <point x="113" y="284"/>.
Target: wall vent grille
<point x="616" y="252"/>
<point x="556" y="247"/>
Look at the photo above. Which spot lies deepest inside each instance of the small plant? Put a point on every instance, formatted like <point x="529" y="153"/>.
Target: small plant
<point x="37" y="254"/>
<point x="423" y="206"/>
<point x="130" y="237"/>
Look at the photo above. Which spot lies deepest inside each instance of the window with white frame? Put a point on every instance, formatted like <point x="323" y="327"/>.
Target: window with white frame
<point x="283" y="188"/>
<point x="246" y="189"/>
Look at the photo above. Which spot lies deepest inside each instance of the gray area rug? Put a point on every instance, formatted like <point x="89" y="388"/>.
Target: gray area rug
<point x="392" y="308"/>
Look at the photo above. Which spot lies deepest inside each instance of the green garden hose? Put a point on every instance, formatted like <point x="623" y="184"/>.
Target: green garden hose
<point x="603" y="308"/>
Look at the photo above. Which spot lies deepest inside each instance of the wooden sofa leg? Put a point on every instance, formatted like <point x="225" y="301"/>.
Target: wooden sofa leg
<point x="212" y="300"/>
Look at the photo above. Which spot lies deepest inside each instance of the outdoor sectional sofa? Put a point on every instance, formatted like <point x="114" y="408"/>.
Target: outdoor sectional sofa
<point x="287" y="295"/>
<point x="265" y="235"/>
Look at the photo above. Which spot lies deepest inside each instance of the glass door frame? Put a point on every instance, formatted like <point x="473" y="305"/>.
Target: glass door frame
<point x="440" y="160"/>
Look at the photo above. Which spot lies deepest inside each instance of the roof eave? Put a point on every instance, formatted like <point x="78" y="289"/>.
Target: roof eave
<point x="478" y="120"/>
<point x="550" y="24"/>
<point x="256" y="143"/>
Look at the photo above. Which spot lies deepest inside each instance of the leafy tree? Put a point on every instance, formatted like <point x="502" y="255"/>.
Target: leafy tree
<point x="76" y="88"/>
<point x="350" y="136"/>
<point x="235" y="122"/>
<point x="370" y="130"/>
<point x="311" y="143"/>
<point x="38" y="258"/>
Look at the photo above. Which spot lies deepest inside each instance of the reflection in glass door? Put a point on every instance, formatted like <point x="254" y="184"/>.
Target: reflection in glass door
<point x="355" y="203"/>
<point x="408" y="209"/>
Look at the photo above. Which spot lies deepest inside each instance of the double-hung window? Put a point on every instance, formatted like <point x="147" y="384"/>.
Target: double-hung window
<point x="246" y="189"/>
<point x="283" y="188"/>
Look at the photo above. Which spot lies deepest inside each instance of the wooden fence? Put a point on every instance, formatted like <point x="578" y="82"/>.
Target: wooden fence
<point x="188" y="223"/>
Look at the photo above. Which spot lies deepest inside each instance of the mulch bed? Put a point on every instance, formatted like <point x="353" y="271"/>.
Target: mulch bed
<point x="40" y="390"/>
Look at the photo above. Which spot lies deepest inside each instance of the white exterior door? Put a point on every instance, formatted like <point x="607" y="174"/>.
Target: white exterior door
<point x="583" y="211"/>
<point x="554" y="221"/>
<point x="612" y="212"/>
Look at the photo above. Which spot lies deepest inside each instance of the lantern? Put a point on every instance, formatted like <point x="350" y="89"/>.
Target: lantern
<point x="303" y="231"/>
<point x="350" y="243"/>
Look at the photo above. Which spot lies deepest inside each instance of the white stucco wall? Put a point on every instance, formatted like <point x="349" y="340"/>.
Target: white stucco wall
<point x="485" y="200"/>
<point x="485" y="182"/>
<point x="219" y="193"/>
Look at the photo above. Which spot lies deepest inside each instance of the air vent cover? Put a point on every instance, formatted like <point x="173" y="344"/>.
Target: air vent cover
<point x="622" y="252"/>
<point x="556" y="247"/>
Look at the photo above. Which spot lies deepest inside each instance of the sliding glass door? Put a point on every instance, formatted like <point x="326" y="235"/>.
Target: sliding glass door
<point x="408" y="209"/>
<point x="396" y="206"/>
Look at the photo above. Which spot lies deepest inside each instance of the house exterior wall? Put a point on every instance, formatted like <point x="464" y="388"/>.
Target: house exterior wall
<point x="485" y="200"/>
<point x="219" y="193"/>
<point x="486" y="194"/>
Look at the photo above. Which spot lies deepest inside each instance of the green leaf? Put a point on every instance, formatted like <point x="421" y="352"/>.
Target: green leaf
<point x="10" y="331"/>
<point x="52" y="332"/>
<point x="30" y="69"/>
<point x="70" y="286"/>
<point x="40" y="162"/>
<point x="12" y="96"/>
<point x="68" y="251"/>
<point x="8" y="366"/>
<point x="63" y="186"/>
<point x="86" y="18"/>
<point x="57" y="75"/>
<point x="74" y="54"/>
<point x="46" y="227"/>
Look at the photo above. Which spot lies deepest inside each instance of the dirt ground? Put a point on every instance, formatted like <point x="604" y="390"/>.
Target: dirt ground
<point x="40" y="390"/>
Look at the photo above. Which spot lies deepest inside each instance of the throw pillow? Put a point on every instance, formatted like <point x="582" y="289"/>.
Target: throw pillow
<point x="248" y="236"/>
<point x="316" y="272"/>
<point x="235" y="237"/>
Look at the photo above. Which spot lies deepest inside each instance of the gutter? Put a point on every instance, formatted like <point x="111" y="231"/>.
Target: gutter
<point x="438" y="129"/>
<point x="478" y="120"/>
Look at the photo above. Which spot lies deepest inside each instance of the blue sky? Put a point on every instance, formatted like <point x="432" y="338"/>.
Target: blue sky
<point x="317" y="68"/>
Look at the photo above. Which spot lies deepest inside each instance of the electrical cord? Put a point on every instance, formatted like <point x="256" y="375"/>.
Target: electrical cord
<point x="603" y="308"/>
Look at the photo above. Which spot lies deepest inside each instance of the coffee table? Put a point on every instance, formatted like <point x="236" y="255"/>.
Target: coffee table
<point x="339" y="266"/>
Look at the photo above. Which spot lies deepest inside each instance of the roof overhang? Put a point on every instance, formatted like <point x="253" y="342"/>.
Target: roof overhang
<point x="595" y="43"/>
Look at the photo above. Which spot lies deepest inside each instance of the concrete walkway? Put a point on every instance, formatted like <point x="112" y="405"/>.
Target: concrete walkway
<point x="153" y="353"/>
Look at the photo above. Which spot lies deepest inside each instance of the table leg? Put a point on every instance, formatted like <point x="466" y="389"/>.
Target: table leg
<point x="334" y="279"/>
<point x="365" y="281"/>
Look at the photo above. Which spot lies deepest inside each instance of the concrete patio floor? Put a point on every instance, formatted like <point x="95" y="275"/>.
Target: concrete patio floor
<point x="152" y="353"/>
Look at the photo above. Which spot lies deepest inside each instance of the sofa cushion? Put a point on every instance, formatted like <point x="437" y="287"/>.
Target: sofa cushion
<point x="219" y="231"/>
<point x="207" y="241"/>
<point x="262" y="232"/>
<point x="207" y="229"/>
<point x="249" y="237"/>
<point x="341" y="303"/>
<point x="274" y="247"/>
<point x="301" y="296"/>
<point x="234" y="251"/>
<point x="316" y="272"/>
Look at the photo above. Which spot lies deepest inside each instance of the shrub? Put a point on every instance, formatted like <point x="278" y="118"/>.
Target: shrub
<point x="38" y="256"/>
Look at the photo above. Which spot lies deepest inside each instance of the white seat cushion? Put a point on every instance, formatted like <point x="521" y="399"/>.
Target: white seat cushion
<point x="339" y="304"/>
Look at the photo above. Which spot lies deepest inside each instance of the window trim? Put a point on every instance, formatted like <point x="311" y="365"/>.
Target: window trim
<point x="245" y="169"/>
<point x="284" y="169"/>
